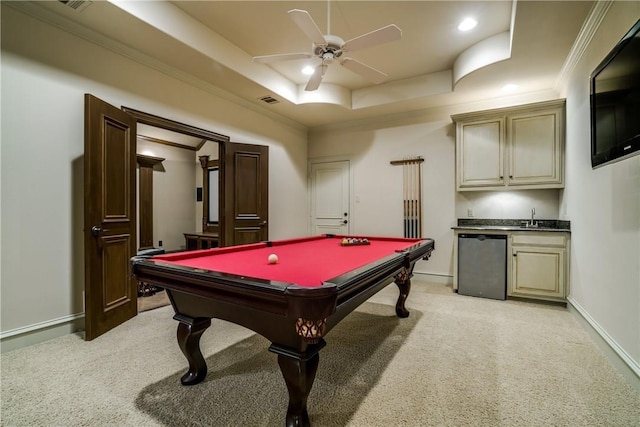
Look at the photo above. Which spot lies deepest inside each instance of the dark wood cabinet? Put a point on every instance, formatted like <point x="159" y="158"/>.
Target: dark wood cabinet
<point x="201" y="241"/>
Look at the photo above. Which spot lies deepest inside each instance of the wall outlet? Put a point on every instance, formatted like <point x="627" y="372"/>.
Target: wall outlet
<point x="160" y="243"/>
<point x="470" y="212"/>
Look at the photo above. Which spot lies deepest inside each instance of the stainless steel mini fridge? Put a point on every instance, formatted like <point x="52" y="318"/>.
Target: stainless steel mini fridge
<point x="482" y="265"/>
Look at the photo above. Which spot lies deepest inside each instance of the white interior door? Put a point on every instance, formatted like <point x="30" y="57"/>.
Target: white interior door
<point x="330" y="197"/>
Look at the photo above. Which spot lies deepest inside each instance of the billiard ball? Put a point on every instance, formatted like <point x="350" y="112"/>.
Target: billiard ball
<point x="273" y="258"/>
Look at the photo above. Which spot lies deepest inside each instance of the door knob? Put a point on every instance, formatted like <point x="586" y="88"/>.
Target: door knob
<point x="95" y="230"/>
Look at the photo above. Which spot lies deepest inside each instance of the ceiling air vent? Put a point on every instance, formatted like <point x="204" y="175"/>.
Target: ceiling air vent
<point x="77" y="5"/>
<point x="269" y="100"/>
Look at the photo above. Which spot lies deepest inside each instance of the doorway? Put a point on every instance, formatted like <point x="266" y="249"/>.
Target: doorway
<point x="172" y="191"/>
<point x="110" y="217"/>
<point x="176" y="210"/>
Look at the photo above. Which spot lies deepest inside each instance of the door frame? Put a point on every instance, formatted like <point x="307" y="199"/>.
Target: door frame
<point x="329" y="159"/>
<point x="178" y="127"/>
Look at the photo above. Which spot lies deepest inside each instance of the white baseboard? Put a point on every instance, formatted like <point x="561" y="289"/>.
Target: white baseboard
<point x="39" y="332"/>
<point x="439" y="278"/>
<point x="624" y="364"/>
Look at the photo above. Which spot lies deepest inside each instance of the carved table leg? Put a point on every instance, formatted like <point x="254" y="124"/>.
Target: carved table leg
<point x="299" y="372"/>
<point x="403" y="281"/>
<point x="189" y="333"/>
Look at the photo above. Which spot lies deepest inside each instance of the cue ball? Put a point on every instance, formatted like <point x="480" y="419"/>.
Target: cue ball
<point x="273" y="258"/>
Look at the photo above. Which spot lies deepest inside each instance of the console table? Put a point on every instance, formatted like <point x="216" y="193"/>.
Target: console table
<point x="201" y="240"/>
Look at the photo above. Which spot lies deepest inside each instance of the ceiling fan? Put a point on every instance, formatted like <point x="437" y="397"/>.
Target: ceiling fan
<point x="328" y="47"/>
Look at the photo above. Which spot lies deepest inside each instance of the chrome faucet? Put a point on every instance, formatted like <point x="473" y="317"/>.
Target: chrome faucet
<point x="533" y="222"/>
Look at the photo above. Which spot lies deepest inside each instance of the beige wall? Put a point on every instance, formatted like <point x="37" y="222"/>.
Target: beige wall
<point x="604" y="208"/>
<point x="44" y="75"/>
<point x="174" y="193"/>
<point x="509" y="204"/>
<point x="377" y="185"/>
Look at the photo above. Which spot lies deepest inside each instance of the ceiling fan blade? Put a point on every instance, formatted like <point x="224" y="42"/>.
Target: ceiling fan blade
<point x="267" y="59"/>
<point x="367" y="72"/>
<point x="316" y="78"/>
<point x="308" y="26"/>
<point x="381" y="35"/>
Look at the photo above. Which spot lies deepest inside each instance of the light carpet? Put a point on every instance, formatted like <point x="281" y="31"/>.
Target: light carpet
<point x="456" y="361"/>
<point x="151" y="302"/>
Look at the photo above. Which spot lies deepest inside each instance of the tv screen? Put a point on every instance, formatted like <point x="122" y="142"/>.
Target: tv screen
<point x="615" y="102"/>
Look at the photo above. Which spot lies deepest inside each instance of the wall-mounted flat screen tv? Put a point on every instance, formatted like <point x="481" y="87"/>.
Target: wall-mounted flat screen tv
<point x="615" y="102"/>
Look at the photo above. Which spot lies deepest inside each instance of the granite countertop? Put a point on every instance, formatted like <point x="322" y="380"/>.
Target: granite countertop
<point x="552" y="225"/>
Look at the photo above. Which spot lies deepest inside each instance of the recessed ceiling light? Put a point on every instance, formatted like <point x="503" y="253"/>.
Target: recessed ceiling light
<point x="467" y="24"/>
<point x="509" y="87"/>
<point x="308" y="70"/>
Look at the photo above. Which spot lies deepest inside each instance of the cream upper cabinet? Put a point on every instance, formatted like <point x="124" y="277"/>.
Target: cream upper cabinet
<point x="482" y="149"/>
<point x="511" y="148"/>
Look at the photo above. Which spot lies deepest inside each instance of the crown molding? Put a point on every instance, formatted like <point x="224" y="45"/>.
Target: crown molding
<point x="588" y="30"/>
<point x="439" y="112"/>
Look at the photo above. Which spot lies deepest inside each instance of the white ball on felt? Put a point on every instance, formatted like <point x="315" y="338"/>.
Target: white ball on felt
<point x="273" y="258"/>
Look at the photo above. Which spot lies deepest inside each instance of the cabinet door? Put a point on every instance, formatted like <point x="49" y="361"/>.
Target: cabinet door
<point x="538" y="272"/>
<point x="480" y="148"/>
<point x="535" y="155"/>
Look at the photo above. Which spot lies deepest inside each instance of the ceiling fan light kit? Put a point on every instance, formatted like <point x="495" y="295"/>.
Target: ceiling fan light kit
<point x="328" y="47"/>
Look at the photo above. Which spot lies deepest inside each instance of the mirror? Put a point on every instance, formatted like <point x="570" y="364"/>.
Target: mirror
<point x="213" y="195"/>
<point x="210" y="194"/>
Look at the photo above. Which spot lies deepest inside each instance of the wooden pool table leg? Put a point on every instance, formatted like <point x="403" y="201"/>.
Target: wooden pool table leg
<point x="403" y="281"/>
<point x="299" y="372"/>
<point x="189" y="333"/>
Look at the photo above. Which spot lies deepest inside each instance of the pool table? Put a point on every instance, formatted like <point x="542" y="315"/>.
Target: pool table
<point x="294" y="302"/>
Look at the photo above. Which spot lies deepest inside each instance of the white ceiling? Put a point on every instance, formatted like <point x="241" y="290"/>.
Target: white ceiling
<point x="211" y="44"/>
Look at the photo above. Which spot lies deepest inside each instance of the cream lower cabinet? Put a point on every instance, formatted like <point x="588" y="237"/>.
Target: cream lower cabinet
<point x="539" y="266"/>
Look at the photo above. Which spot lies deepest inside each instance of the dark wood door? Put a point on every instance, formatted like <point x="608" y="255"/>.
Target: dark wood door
<point x="109" y="216"/>
<point x="246" y="193"/>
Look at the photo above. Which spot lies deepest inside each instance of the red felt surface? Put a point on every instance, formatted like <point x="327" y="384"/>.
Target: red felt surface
<point x="305" y="262"/>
